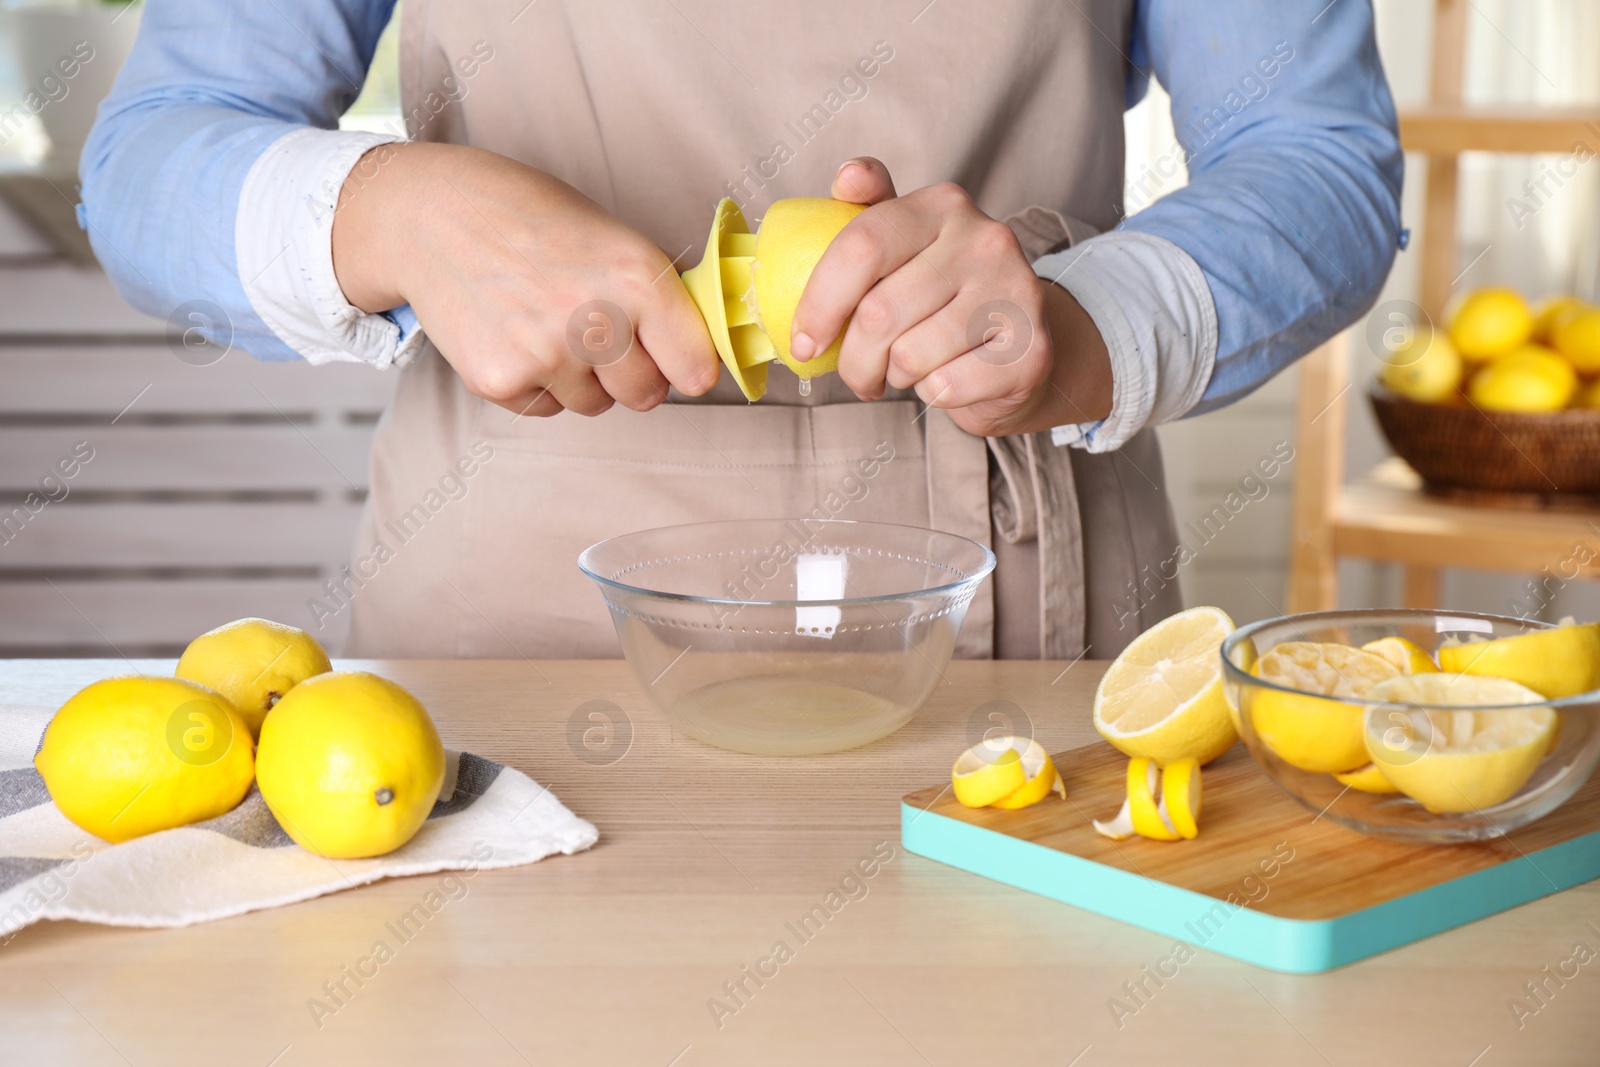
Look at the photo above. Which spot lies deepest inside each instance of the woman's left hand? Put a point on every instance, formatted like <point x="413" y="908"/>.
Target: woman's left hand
<point x="940" y="298"/>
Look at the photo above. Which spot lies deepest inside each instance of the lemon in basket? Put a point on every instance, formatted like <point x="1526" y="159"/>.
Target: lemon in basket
<point x="1162" y="697"/>
<point x="1457" y="761"/>
<point x="1307" y="731"/>
<point x="1530" y="379"/>
<point x="1425" y="367"/>
<point x="1551" y="313"/>
<point x="1577" y="337"/>
<point x="1487" y="323"/>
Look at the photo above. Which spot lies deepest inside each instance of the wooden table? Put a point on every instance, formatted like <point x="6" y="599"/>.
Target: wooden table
<point x="611" y="956"/>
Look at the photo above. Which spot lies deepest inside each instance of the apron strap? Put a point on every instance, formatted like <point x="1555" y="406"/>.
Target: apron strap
<point x="958" y="502"/>
<point x="1036" y="498"/>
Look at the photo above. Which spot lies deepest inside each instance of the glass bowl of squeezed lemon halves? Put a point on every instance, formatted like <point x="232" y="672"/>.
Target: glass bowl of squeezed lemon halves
<point x="1421" y="725"/>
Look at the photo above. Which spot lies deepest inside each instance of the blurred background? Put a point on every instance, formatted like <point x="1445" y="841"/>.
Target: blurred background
<point x="205" y="485"/>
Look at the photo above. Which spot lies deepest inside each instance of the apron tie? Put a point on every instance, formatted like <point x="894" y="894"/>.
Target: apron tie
<point x="1034" y="497"/>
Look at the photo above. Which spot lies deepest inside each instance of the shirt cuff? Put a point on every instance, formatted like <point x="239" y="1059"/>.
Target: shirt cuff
<point x="284" y="241"/>
<point x="1151" y="303"/>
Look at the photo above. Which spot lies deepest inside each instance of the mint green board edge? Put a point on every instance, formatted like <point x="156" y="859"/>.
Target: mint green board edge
<point x="1295" y="946"/>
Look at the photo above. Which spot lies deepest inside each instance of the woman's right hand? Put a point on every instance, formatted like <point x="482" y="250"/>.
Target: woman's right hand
<point x="539" y="298"/>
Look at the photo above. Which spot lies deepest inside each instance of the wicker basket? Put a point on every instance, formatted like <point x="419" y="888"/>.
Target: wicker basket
<point x="1466" y="448"/>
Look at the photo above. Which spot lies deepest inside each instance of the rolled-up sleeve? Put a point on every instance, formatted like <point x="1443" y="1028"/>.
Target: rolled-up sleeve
<point x="1292" y="209"/>
<point x="1286" y="229"/>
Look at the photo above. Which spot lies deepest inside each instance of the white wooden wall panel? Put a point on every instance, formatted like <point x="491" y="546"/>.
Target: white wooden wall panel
<point x="141" y="535"/>
<point x="76" y="377"/>
<point x="147" y="617"/>
<point x="214" y="492"/>
<point x="192" y="457"/>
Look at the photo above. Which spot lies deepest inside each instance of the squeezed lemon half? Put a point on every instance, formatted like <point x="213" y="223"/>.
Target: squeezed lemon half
<point x="1560" y="662"/>
<point x="1407" y="657"/>
<point x="1457" y="761"/>
<point x="1309" y="732"/>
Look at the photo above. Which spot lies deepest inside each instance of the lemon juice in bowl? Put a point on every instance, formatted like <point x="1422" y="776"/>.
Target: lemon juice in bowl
<point x="779" y="715"/>
<point x="788" y="636"/>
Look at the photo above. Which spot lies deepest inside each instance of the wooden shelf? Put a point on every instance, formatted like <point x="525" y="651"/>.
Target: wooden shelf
<point x="1387" y="516"/>
<point x="1448" y="129"/>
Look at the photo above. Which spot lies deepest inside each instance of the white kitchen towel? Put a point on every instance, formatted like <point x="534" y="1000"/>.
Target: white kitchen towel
<point x="487" y="816"/>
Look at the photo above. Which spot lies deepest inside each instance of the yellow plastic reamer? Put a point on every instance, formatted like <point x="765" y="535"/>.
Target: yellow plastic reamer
<point x="720" y="287"/>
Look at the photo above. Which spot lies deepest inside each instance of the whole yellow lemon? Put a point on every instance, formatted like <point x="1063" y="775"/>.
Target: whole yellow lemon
<point x="791" y="239"/>
<point x="253" y="662"/>
<point x="1426" y="367"/>
<point x="1487" y="323"/>
<point x="1531" y="379"/>
<point x="350" y="764"/>
<point x="129" y="756"/>
<point x="1578" y="338"/>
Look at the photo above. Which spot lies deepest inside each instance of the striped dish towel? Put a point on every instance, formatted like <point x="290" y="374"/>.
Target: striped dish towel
<point x="488" y="815"/>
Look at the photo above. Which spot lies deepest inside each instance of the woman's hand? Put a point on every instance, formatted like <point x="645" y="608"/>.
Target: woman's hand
<point x="540" y="299"/>
<point x="945" y="302"/>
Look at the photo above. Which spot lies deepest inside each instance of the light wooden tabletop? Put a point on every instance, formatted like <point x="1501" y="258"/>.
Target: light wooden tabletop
<point x="613" y="956"/>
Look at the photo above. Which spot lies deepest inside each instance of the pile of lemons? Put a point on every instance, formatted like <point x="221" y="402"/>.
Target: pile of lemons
<point x="1502" y="355"/>
<point x="349" y="763"/>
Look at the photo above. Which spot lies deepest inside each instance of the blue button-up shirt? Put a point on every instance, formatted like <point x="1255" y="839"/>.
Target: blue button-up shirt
<point x="1291" y="209"/>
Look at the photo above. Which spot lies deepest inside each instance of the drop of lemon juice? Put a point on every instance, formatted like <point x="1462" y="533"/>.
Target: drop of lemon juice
<point x="805" y="386"/>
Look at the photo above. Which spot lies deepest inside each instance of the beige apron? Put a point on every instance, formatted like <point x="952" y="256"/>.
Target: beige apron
<point x="469" y="540"/>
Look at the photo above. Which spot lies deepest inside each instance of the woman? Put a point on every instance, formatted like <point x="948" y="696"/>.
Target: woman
<point x="566" y="157"/>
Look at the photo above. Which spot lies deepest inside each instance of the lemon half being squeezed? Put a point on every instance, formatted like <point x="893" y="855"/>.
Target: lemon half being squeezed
<point x="747" y="286"/>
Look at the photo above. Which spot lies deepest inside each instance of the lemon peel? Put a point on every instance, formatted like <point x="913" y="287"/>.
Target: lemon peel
<point x="1180" y="797"/>
<point x="1148" y="818"/>
<point x="1162" y="804"/>
<point x="1005" y="772"/>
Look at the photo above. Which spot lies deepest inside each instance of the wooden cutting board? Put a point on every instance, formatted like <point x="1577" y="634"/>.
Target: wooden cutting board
<point x="1267" y="881"/>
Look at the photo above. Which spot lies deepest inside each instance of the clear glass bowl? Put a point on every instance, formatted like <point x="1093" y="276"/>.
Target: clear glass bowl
<point x="788" y="636"/>
<point x="1555" y="777"/>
